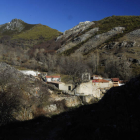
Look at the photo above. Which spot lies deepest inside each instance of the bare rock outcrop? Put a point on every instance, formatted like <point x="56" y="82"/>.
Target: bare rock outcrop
<point x="76" y="29"/>
<point x="72" y="101"/>
<point x="78" y="40"/>
<point x="99" y="39"/>
<point x="15" y="24"/>
<point x="135" y="33"/>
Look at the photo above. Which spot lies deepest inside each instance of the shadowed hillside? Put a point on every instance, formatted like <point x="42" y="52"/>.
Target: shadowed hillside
<point x="116" y="117"/>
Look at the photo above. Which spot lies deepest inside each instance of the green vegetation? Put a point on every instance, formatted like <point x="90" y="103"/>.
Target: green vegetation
<point x="129" y="22"/>
<point x="38" y="32"/>
<point x="25" y="27"/>
<point x="66" y="78"/>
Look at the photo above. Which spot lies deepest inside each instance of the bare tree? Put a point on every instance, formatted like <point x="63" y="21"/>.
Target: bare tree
<point x="116" y="67"/>
<point x="74" y="67"/>
<point x="9" y="96"/>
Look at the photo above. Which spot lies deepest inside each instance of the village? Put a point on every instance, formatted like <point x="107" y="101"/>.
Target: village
<point x="93" y="85"/>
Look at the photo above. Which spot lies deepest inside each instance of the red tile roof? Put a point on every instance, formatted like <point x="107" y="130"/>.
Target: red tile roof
<point x="57" y="76"/>
<point x="48" y="77"/>
<point x="100" y="81"/>
<point x="115" y="79"/>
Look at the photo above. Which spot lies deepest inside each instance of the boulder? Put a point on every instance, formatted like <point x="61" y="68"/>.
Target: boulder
<point x="88" y="99"/>
<point x="72" y="101"/>
<point x="50" y="108"/>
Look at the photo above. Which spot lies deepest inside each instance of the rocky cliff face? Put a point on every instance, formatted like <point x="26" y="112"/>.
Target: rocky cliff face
<point x="116" y="35"/>
<point x="15" y="24"/>
<point x="82" y="26"/>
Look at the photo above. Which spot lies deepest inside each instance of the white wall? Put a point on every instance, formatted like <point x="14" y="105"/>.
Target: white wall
<point x="101" y="85"/>
<point x="48" y="79"/>
<point x="30" y="72"/>
<point x="55" y="79"/>
<point x="63" y="86"/>
<point x="90" y="88"/>
<point x="52" y="79"/>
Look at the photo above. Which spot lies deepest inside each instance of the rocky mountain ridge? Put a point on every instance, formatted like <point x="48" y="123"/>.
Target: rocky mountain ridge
<point x="115" y="35"/>
<point x="19" y="33"/>
<point x="15" y="24"/>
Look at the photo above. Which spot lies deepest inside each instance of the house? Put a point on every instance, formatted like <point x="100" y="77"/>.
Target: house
<point x="62" y="86"/>
<point x="96" y="77"/>
<point x="93" y="87"/>
<point x="115" y="82"/>
<point x="101" y="83"/>
<point x="110" y="81"/>
<point x="53" y="78"/>
<point x="66" y="87"/>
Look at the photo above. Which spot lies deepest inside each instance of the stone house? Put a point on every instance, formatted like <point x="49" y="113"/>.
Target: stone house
<point x="101" y="83"/>
<point x="62" y="86"/>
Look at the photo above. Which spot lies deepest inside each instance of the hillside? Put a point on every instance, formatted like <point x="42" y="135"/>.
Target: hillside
<point x="115" y="36"/>
<point x="116" y="116"/>
<point x="104" y="27"/>
<point x="105" y="46"/>
<point x="19" y="33"/>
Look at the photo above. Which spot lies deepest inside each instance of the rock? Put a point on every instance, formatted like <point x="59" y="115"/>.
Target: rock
<point x="118" y="28"/>
<point x="133" y="60"/>
<point x="97" y="40"/>
<point x="88" y="99"/>
<point x="124" y="43"/>
<point x="138" y="61"/>
<point x="78" y="40"/>
<point x="50" y="108"/>
<point x="15" y="24"/>
<point x="72" y="101"/>
<point x="76" y="29"/>
<point x="135" y="33"/>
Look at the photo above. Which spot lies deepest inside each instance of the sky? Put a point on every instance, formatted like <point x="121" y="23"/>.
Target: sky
<point x="65" y="14"/>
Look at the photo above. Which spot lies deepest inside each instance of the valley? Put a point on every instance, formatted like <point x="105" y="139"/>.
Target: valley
<point x="57" y="84"/>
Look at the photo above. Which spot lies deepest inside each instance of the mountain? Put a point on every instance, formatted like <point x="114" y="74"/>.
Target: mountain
<point x="97" y="34"/>
<point x="18" y="32"/>
<point x="116" y="36"/>
<point x="111" y="44"/>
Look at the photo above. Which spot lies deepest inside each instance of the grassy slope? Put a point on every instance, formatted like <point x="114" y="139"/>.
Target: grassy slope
<point x="129" y="22"/>
<point x="37" y="32"/>
<point x="34" y="32"/>
<point x="12" y="32"/>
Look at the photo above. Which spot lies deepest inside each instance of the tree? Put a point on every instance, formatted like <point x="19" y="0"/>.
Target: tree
<point x="73" y="66"/>
<point x="116" y="67"/>
<point x="9" y="96"/>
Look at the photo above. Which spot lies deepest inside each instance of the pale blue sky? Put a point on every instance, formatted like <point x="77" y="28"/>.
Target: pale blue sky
<point x="64" y="14"/>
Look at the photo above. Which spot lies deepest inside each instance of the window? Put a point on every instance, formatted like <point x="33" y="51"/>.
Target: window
<point x="69" y="87"/>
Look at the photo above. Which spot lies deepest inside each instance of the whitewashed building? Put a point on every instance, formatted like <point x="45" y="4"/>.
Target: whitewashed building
<point x="30" y="72"/>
